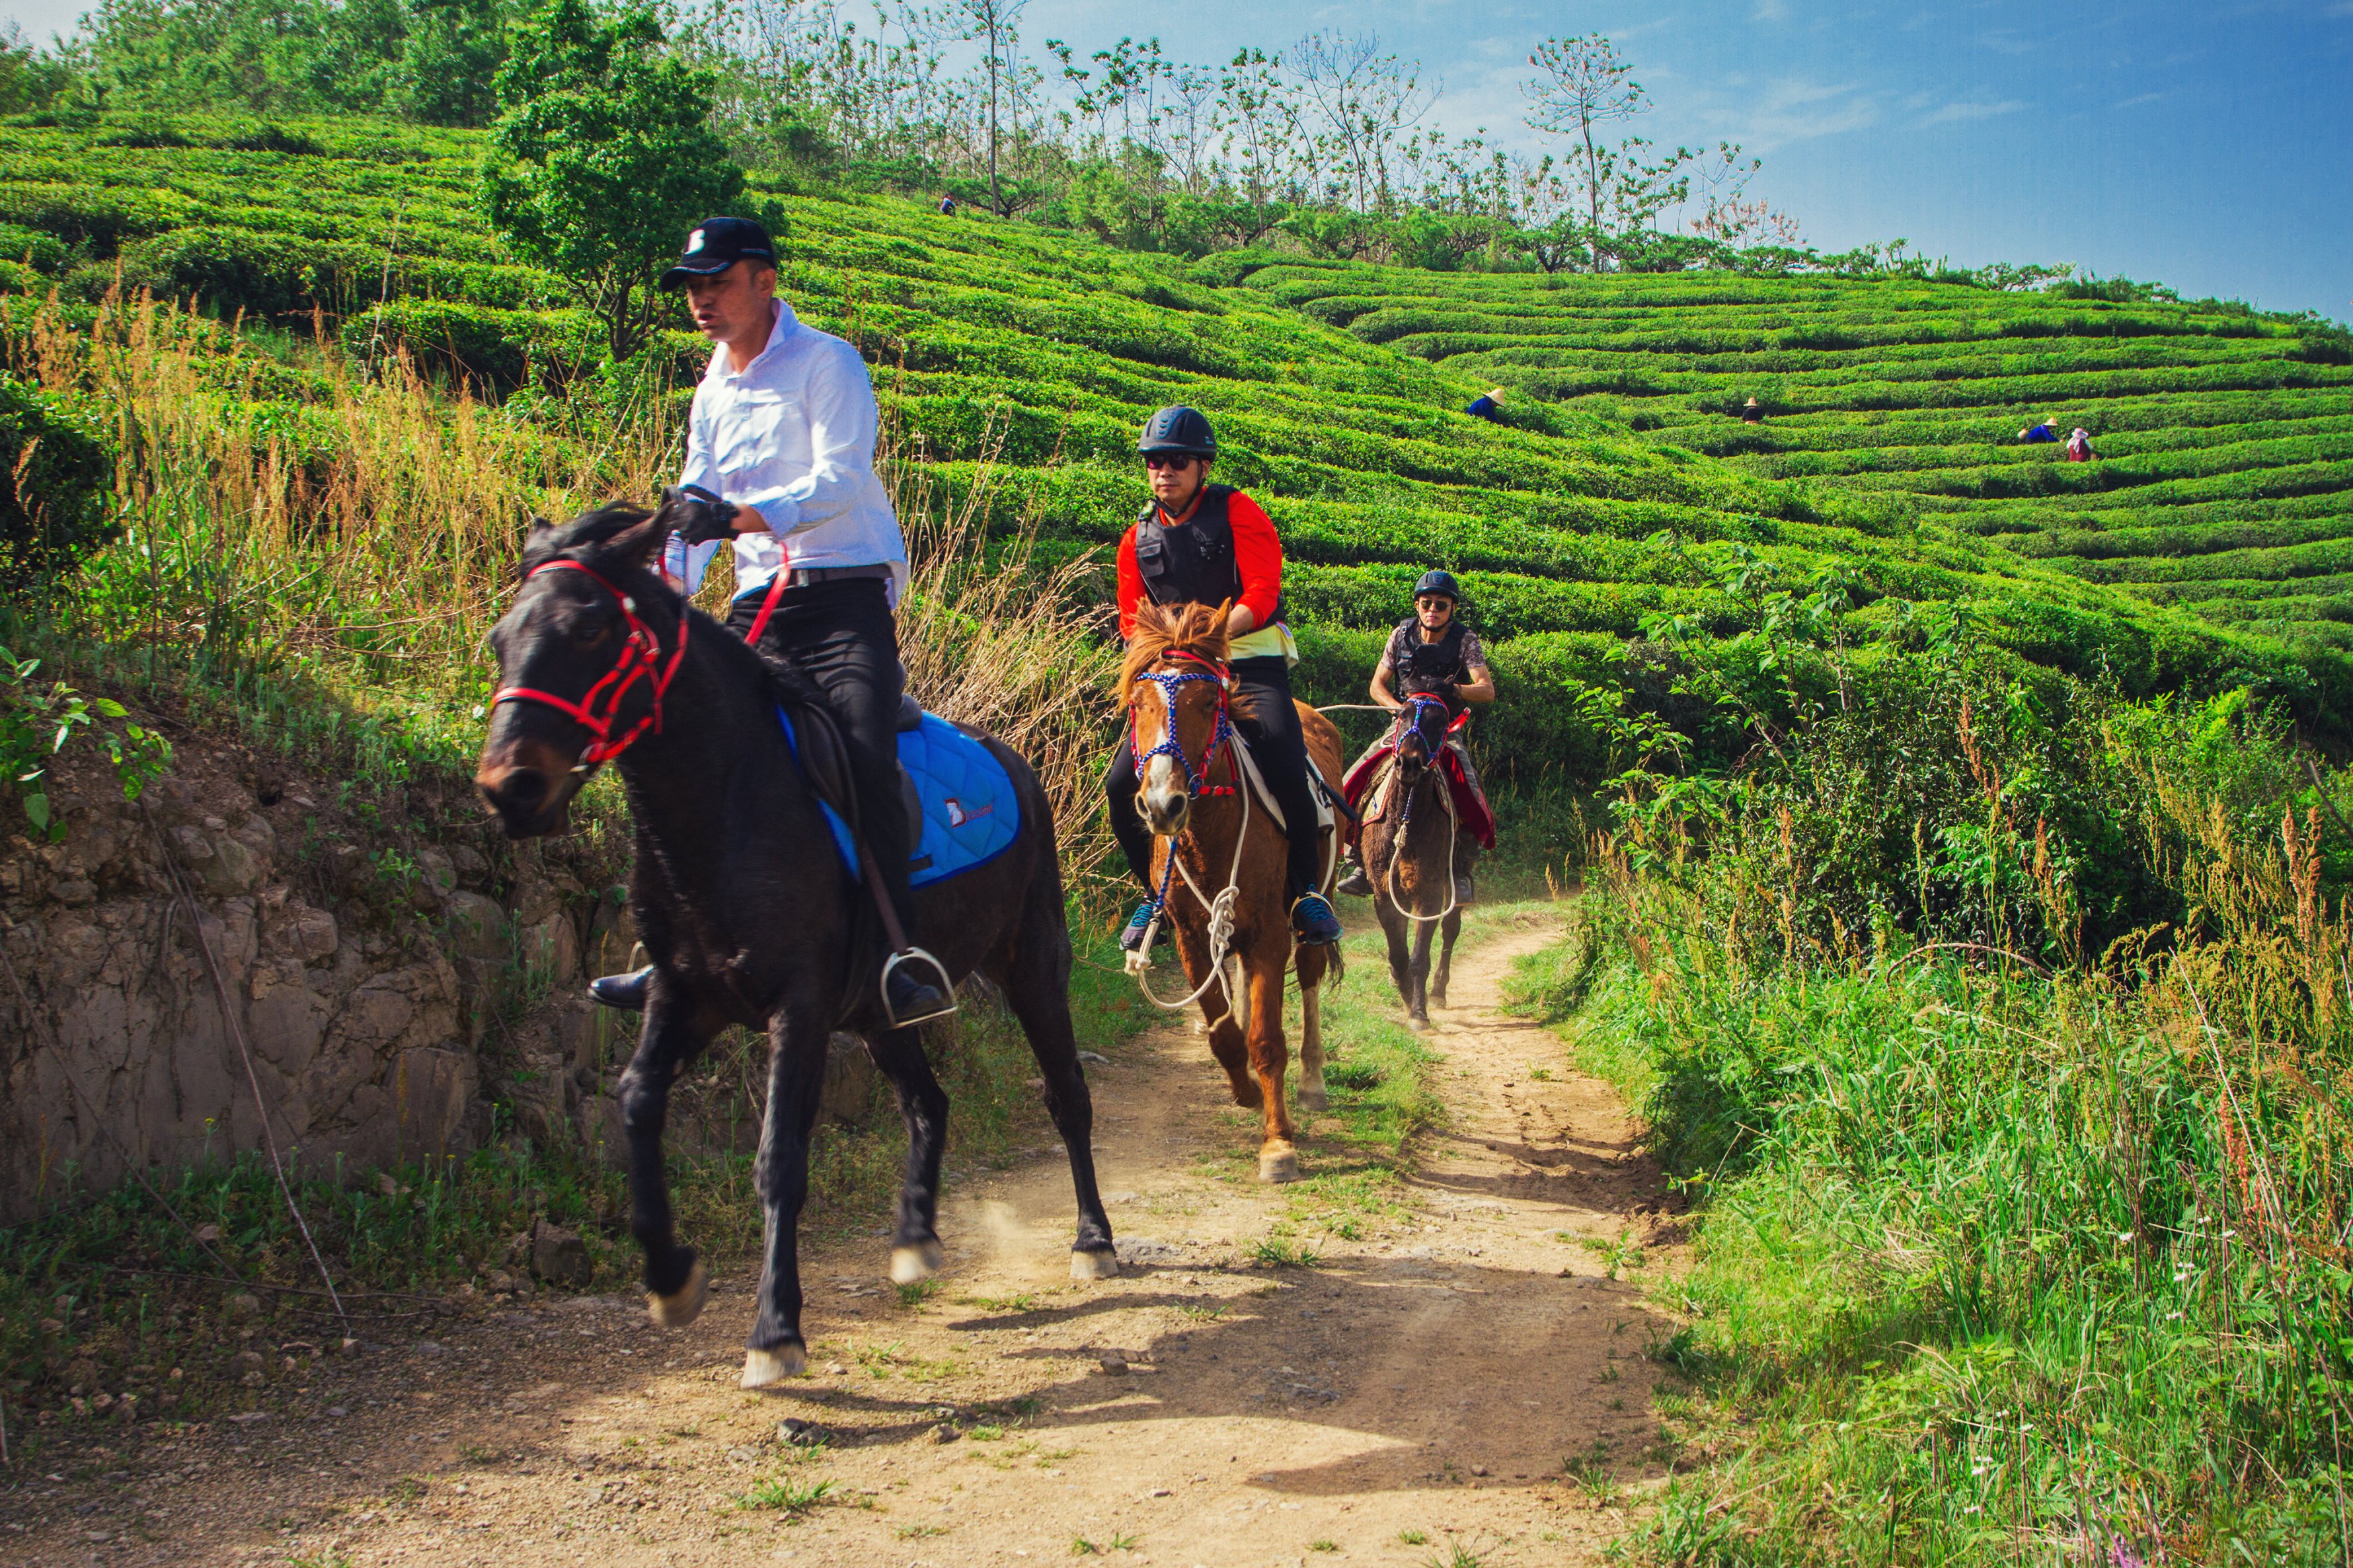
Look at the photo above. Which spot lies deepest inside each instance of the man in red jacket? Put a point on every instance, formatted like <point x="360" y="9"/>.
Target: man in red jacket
<point x="1203" y="543"/>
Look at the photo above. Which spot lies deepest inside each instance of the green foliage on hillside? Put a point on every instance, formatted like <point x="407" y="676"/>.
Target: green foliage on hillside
<point x="2001" y="1028"/>
<point x="1034" y="358"/>
<point x="2223" y="480"/>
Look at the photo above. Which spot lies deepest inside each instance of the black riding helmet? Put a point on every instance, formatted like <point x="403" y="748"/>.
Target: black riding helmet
<point x="1178" y="429"/>
<point x="1438" y="582"/>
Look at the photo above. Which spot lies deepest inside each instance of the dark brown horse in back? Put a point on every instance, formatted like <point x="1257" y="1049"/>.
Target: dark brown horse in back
<point x="1413" y="848"/>
<point x="745" y="906"/>
<point x="1228" y="862"/>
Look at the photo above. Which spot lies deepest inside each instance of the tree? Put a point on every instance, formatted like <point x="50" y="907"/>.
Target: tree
<point x="1367" y="101"/>
<point x="1581" y="83"/>
<point x="996" y="24"/>
<point x="603" y="157"/>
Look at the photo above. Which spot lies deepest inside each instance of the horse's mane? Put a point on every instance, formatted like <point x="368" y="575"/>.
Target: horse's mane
<point x="1163" y="630"/>
<point x="593" y="527"/>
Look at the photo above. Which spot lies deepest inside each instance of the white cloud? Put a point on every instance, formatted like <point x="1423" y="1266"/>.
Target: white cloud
<point x="1778" y="10"/>
<point x="2140" y="97"/>
<point x="1959" y="112"/>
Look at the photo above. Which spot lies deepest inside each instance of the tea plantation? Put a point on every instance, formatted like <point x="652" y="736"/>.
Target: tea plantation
<point x="1031" y="359"/>
<point x="2223" y="474"/>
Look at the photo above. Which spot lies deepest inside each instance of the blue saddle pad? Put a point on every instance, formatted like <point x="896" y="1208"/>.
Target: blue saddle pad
<point x="971" y="815"/>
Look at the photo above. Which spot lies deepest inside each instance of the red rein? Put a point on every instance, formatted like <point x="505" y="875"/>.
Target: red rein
<point x="600" y="709"/>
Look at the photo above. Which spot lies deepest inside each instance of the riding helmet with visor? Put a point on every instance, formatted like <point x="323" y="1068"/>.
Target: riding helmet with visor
<point x="1178" y="429"/>
<point x="1438" y="582"/>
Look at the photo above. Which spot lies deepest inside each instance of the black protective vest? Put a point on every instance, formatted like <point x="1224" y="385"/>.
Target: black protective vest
<point x="1432" y="667"/>
<point x="1193" y="563"/>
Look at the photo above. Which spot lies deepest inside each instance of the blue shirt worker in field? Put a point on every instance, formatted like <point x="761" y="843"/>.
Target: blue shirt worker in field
<point x="2037" y="434"/>
<point x="1204" y="543"/>
<point x="780" y="454"/>
<point x="1488" y="405"/>
<point x="1433" y="654"/>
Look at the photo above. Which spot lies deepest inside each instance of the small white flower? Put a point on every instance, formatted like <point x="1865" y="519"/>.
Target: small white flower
<point x="2124" y="1236"/>
<point x="2170" y="1317"/>
<point x="2229" y="1233"/>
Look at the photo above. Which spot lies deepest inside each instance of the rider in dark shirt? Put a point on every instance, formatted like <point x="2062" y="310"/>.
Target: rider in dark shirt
<point x="1433" y="654"/>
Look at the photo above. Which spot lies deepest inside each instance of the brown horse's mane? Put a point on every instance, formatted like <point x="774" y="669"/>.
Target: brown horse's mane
<point x="1163" y="630"/>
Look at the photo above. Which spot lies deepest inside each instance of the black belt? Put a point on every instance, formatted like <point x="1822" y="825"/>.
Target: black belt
<point x="809" y="576"/>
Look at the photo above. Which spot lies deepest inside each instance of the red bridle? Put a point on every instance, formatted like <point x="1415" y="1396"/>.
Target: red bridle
<point x="640" y="659"/>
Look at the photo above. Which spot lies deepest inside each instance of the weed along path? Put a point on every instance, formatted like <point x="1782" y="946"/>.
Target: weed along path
<point x="1393" y="1361"/>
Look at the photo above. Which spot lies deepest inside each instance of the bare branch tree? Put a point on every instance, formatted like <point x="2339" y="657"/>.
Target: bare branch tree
<point x="1581" y="83"/>
<point x="996" y="24"/>
<point x="1365" y="100"/>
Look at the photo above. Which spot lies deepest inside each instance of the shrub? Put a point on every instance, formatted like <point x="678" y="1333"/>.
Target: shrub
<point x="56" y="477"/>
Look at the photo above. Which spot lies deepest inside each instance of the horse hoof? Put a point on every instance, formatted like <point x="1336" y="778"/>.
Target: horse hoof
<point x="1420" y="1026"/>
<point x="1313" y="1100"/>
<point x="766" y="1369"/>
<point x="1283" y="1167"/>
<point x="1086" y="1268"/>
<point x="684" y="1305"/>
<point x="913" y="1265"/>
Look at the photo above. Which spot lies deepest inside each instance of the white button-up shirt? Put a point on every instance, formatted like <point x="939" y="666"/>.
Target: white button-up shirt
<point x="791" y="437"/>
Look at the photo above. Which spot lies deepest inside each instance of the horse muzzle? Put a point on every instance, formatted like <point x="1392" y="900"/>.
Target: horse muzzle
<point x="532" y="797"/>
<point x="1164" y="810"/>
<point x="1162" y="801"/>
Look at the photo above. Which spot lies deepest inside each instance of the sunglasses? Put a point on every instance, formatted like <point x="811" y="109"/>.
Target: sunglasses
<point x="1176" y="460"/>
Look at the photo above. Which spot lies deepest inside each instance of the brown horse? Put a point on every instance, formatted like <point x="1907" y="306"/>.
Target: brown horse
<point x="1228" y="867"/>
<point x="1413" y="848"/>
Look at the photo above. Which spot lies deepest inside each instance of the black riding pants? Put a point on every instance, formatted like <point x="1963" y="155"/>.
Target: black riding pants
<point x="840" y="636"/>
<point x="1269" y="725"/>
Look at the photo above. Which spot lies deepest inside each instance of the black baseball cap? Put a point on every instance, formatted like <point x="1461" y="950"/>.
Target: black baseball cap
<point x="718" y="244"/>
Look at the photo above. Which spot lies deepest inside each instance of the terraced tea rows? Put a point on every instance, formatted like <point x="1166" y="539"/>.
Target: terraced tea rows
<point x="2223" y="474"/>
<point x="1040" y="355"/>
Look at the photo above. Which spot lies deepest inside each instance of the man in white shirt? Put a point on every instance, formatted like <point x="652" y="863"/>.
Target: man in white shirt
<point x="780" y="449"/>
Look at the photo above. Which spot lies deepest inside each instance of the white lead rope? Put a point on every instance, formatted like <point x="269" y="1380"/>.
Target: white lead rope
<point x="1453" y="831"/>
<point x="1221" y="920"/>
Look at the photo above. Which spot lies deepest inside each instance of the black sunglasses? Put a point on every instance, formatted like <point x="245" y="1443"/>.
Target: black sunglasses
<point x="1169" y="459"/>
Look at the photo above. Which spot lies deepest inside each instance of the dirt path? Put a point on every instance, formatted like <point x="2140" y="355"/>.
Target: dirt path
<point x="1422" y="1388"/>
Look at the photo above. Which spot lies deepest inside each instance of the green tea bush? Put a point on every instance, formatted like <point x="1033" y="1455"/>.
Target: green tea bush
<point x="55" y="481"/>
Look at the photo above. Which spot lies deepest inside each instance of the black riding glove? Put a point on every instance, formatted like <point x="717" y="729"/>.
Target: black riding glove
<point x="697" y="516"/>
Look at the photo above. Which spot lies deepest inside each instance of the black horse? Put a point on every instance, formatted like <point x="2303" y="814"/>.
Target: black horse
<point x="747" y="908"/>
<point x="1412" y="851"/>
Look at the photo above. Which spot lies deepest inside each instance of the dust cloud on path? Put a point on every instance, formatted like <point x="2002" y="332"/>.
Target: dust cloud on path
<point x="1421" y="1388"/>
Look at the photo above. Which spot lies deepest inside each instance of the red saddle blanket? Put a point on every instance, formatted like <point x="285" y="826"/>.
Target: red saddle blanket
<point x="1471" y="808"/>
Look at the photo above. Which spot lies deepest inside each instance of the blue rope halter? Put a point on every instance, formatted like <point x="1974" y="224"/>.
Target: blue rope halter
<point x="1196" y="784"/>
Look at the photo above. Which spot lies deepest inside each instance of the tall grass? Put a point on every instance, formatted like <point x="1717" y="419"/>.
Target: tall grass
<point x="2003" y="1265"/>
<point x="345" y="554"/>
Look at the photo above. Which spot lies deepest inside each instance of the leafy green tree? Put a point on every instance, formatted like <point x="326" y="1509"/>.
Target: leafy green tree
<point x="450" y="59"/>
<point x="603" y="157"/>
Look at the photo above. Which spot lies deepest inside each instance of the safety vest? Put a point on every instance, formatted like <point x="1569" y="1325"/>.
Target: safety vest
<point x="1433" y="668"/>
<point x="1193" y="563"/>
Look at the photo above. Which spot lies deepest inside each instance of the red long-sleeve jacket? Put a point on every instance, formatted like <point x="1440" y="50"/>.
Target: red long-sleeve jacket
<point x="1258" y="560"/>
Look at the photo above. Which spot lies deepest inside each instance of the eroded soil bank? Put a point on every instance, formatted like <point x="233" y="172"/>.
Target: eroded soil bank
<point x="1450" y="1363"/>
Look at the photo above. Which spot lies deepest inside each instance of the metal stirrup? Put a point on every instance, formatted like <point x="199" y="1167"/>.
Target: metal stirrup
<point x="947" y="987"/>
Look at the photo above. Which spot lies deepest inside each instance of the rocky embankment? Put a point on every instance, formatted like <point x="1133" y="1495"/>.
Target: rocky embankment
<point x="389" y="982"/>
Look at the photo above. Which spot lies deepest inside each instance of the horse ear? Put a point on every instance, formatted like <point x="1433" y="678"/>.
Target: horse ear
<point x="640" y="542"/>
<point x="1221" y="615"/>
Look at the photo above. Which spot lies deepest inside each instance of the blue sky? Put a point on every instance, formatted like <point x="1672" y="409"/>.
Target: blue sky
<point x="2207" y="146"/>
